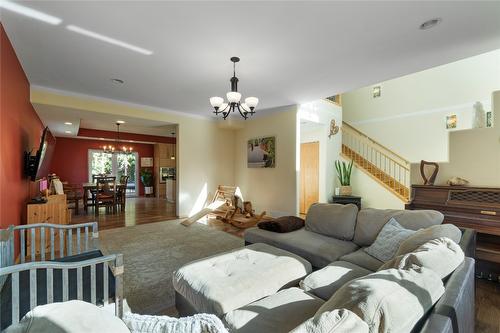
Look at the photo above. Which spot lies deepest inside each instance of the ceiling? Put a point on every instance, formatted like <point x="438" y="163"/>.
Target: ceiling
<point x="307" y="125"/>
<point x="291" y="52"/>
<point x="54" y="117"/>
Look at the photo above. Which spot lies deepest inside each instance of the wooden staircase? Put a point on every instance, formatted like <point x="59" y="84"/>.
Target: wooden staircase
<point x="380" y="163"/>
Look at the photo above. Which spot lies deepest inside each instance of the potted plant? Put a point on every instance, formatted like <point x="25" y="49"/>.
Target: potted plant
<point x="147" y="181"/>
<point x="344" y="175"/>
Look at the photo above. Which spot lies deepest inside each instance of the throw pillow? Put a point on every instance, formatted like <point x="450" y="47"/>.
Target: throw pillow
<point x="336" y="321"/>
<point x="71" y="316"/>
<point x="388" y="240"/>
<point x="198" y="323"/>
<point x="282" y="224"/>
<point x="441" y="255"/>
<point x="332" y="220"/>
<point x="389" y="301"/>
<point x="422" y="236"/>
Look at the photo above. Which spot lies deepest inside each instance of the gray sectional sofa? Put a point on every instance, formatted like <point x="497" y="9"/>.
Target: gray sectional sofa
<point x="312" y="279"/>
<point x="336" y="237"/>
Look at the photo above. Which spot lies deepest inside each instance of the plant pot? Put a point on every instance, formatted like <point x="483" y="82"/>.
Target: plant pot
<point x="345" y="190"/>
<point x="148" y="190"/>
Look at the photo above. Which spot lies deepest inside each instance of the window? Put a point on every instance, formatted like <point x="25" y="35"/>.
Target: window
<point x="117" y="165"/>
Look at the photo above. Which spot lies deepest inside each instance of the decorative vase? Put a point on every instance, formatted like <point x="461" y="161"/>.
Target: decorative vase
<point x="148" y="190"/>
<point x="345" y="190"/>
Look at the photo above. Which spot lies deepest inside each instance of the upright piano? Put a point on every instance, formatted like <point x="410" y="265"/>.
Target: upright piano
<point x="468" y="207"/>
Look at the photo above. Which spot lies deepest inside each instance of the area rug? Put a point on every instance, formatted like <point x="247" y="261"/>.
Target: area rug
<point x="152" y="252"/>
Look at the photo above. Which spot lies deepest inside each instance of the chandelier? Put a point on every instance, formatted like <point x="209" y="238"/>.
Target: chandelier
<point x="110" y="149"/>
<point x="233" y="99"/>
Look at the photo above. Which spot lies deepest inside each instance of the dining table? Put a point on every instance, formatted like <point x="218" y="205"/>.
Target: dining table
<point x="88" y="188"/>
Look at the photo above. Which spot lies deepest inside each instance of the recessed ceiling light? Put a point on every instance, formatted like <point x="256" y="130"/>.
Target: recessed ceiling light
<point x="68" y="123"/>
<point x="430" y="23"/>
<point x="117" y="81"/>
<point x="120" y="122"/>
<point x="30" y="12"/>
<point x="67" y="132"/>
<point x="107" y="39"/>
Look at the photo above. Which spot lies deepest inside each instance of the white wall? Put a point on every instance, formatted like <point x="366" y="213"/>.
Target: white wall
<point x="474" y="155"/>
<point x="321" y="112"/>
<point x="373" y="195"/>
<point x="270" y="189"/>
<point x="409" y="117"/>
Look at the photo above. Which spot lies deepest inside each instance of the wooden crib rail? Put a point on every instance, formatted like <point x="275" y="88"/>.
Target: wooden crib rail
<point x="114" y="262"/>
<point x="42" y="239"/>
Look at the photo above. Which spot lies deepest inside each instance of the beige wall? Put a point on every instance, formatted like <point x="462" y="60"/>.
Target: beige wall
<point x="270" y="189"/>
<point x="474" y="155"/>
<point x="409" y="117"/>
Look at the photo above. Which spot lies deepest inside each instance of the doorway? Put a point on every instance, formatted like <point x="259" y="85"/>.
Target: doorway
<point x="309" y="175"/>
<point x="117" y="164"/>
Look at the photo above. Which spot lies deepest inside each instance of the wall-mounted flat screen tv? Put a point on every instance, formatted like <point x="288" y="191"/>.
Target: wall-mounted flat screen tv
<point x="37" y="166"/>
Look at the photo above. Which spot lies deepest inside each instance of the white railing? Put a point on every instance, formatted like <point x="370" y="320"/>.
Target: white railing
<point x="380" y="158"/>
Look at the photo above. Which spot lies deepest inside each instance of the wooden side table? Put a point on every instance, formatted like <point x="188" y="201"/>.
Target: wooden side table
<point x="347" y="199"/>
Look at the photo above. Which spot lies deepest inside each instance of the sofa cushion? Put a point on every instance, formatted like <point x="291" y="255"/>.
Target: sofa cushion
<point x="280" y="312"/>
<point x="363" y="259"/>
<point x="226" y="281"/>
<point x="319" y="250"/>
<point x="388" y="240"/>
<point x="332" y="220"/>
<point x="326" y="281"/>
<point x="370" y="221"/>
<point x="336" y="321"/>
<point x="424" y="235"/>
<point x="390" y="300"/>
<point x="72" y="316"/>
<point x="441" y="255"/>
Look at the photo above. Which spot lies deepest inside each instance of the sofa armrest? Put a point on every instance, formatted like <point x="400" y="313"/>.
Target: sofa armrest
<point x="455" y="311"/>
<point x="468" y="242"/>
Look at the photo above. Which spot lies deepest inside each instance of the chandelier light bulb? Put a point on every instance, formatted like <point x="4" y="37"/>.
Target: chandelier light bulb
<point x="233" y="97"/>
<point x="216" y="102"/>
<point x="252" y="102"/>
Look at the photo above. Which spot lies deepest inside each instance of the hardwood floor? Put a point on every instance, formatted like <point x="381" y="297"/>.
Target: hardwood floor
<point x="487" y="306"/>
<point x="149" y="210"/>
<point x="138" y="210"/>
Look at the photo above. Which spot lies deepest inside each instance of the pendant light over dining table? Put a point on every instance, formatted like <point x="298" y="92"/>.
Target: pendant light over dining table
<point x="245" y="109"/>
<point x="110" y="149"/>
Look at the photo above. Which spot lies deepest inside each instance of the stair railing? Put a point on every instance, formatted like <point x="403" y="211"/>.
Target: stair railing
<point x="380" y="158"/>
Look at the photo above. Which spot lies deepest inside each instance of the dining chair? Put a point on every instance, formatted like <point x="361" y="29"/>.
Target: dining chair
<point x="105" y="193"/>
<point x="74" y="194"/>
<point x="92" y="192"/>
<point x="121" y="192"/>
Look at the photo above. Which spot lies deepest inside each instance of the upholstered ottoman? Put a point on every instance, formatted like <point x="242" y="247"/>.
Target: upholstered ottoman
<point x="227" y="281"/>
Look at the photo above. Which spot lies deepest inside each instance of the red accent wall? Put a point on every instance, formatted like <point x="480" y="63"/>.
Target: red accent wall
<point x="20" y="130"/>
<point x="70" y="159"/>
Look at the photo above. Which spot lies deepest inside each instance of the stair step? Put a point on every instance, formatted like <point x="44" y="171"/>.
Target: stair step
<point x="386" y="179"/>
